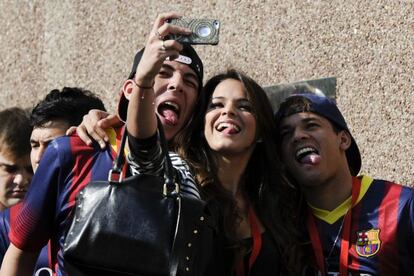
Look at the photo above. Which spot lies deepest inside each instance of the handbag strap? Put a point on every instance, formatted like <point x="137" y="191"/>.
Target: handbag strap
<point x="171" y="188"/>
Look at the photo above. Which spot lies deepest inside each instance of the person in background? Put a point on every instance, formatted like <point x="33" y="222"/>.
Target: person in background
<point x="15" y="170"/>
<point x="49" y="119"/>
<point x="356" y="224"/>
<point x="53" y="116"/>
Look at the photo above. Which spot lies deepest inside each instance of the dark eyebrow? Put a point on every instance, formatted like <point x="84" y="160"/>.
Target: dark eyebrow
<point x="8" y="166"/>
<point x="304" y="120"/>
<point x="311" y="119"/>
<point x="187" y="74"/>
<point x="192" y="76"/>
<point x="166" y="66"/>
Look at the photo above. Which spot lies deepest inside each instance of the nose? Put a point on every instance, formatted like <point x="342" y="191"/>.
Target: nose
<point x="176" y="82"/>
<point x="299" y="134"/>
<point x="22" y="178"/>
<point x="229" y="109"/>
<point x="39" y="154"/>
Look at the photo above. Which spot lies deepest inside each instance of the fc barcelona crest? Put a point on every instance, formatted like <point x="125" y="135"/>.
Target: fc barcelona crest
<point x="368" y="242"/>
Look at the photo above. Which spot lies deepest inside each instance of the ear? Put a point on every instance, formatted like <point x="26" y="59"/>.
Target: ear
<point x="127" y="88"/>
<point x="345" y="139"/>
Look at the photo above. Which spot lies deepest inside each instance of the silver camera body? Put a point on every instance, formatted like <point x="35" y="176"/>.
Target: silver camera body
<point x="205" y="31"/>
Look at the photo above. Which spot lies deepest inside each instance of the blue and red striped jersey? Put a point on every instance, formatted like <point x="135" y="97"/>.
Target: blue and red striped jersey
<point x="66" y="167"/>
<point x="42" y="263"/>
<point x="381" y="233"/>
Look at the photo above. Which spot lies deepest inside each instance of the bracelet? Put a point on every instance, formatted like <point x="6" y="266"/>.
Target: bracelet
<point x="143" y="87"/>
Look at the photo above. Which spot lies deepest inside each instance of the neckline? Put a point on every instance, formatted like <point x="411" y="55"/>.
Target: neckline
<point x="333" y="216"/>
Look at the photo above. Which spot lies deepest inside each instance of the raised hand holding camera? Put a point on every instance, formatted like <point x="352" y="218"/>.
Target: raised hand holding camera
<point x="158" y="48"/>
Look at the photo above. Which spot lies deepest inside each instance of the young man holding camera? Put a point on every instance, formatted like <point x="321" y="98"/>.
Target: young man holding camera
<point x="356" y="225"/>
<point x="46" y="213"/>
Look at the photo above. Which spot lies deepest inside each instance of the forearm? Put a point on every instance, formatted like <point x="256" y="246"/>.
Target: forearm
<point x="141" y="118"/>
<point x="145" y="156"/>
<point x="18" y="262"/>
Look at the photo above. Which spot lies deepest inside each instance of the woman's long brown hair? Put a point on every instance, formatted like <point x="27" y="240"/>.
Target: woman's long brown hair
<point x="266" y="187"/>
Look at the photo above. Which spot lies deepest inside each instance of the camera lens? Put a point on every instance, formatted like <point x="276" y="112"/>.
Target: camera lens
<point x="204" y="31"/>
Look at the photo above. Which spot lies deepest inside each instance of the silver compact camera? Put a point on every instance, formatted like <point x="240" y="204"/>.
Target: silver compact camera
<point x="205" y="31"/>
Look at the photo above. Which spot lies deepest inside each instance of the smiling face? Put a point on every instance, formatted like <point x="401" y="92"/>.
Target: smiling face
<point x="176" y="90"/>
<point x="15" y="176"/>
<point x="41" y="137"/>
<point x="230" y="125"/>
<point x="311" y="149"/>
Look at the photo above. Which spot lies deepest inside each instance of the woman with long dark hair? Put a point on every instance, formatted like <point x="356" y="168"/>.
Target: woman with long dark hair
<point x="231" y="150"/>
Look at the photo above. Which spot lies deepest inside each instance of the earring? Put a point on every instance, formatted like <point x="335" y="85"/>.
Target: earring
<point x="259" y="140"/>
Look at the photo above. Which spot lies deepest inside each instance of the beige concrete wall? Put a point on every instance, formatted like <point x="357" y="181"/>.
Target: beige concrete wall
<point x="368" y="45"/>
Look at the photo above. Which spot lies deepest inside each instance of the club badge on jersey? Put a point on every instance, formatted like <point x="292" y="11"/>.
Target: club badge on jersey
<point x="368" y="242"/>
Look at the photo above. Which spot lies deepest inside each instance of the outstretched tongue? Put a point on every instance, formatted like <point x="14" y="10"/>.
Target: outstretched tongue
<point x="170" y="116"/>
<point x="311" y="159"/>
<point x="229" y="130"/>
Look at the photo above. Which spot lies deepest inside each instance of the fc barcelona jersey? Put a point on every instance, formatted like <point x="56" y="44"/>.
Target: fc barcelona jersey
<point x="381" y="233"/>
<point x="66" y="167"/>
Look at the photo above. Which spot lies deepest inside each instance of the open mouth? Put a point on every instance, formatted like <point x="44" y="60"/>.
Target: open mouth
<point x="170" y="111"/>
<point x="228" y="128"/>
<point x="307" y="155"/>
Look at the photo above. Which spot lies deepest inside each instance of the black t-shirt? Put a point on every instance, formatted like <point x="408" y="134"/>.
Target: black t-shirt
<point x="267" y="262"/>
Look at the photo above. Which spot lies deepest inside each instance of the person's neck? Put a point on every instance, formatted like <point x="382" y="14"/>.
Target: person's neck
<point x="331" y="193"/>
<point x="231" y="170"/>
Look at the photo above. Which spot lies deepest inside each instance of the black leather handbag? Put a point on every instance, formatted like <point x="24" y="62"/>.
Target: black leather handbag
<point x="141" y="225"/>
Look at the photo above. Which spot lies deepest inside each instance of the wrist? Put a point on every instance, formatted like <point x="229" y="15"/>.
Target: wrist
<point x="144" y="83"/>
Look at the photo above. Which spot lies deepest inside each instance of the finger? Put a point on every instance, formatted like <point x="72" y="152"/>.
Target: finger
<point x="172" y="45"/>
<point x="163" y="17"/>
<point x="96" y="132"/>
<point x="70" y="130"/>
<point x="168" y="28"/>
<point x="110" y="121"/>
<point x="98" y="136"/>
<point x="83" y="134"/>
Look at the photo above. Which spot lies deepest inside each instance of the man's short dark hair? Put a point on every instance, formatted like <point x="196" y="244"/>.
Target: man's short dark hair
<point x="69" y="105"/>
<point x="15" y="130"/>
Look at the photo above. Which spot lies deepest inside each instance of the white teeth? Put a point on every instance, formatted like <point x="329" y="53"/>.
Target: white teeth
<point x="222" y="126"/>
<point x="304" y="150"/>
<point x="172" y="104"/>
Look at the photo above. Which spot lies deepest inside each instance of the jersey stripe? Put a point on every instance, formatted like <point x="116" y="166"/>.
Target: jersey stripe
<point x="387" y="223"/>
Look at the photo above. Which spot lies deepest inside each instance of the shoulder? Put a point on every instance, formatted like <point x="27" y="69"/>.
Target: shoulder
<point x="66" y="145"/>
<point x="391" y="189"/>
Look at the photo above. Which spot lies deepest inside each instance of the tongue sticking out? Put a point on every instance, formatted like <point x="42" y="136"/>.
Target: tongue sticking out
<point x="170" y="116"/>
<point x="229" y="130"/>
<point x="311" y="159"/>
